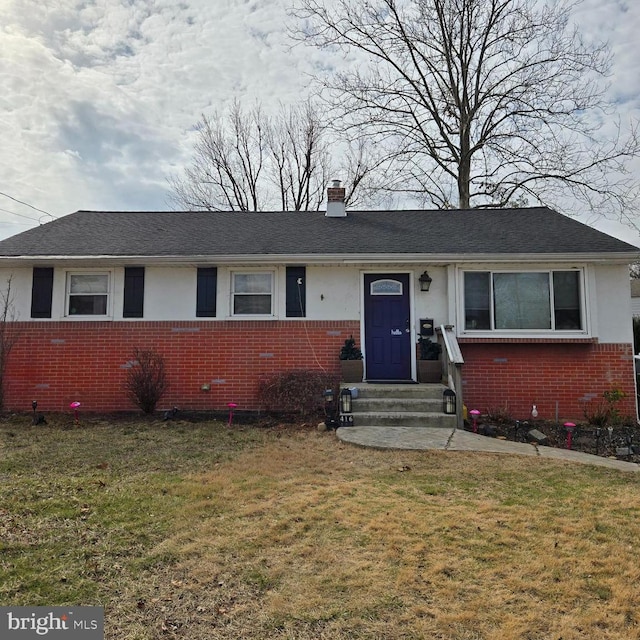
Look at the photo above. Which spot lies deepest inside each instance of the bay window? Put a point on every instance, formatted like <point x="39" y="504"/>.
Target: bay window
<point x="528" y="300"/>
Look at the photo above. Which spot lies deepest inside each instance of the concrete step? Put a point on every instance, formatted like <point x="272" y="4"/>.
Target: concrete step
<point x="403" y="419"/>
<point x="366" y="390"/>
<point x="400" y="405"/>
<point x="433" y="405"/>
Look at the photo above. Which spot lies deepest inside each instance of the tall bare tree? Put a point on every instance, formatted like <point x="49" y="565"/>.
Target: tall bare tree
<point x="482" y="103"/>
<point x="227" y="167"/>
<point x="8" y="333"/>
<point x="246" y="161"/>
<point x="299" y="158"/>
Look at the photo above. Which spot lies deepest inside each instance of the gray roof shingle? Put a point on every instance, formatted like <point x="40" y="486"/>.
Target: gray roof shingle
<point x="205" y="233"/>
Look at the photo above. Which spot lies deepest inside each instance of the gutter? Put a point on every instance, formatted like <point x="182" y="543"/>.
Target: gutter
<point x="337" y="259"/>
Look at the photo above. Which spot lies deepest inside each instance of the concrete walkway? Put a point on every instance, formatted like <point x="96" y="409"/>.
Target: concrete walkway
<point x="423" y="438"/>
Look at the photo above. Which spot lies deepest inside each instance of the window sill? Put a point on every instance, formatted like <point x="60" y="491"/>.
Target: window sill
<point x="553" y="339"/>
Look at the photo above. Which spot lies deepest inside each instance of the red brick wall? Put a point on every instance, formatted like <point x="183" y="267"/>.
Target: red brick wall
<point x="56" y="363"/>
<point x="517" y="375"/>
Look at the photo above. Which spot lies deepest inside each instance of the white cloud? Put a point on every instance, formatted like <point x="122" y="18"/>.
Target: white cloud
<point x="100" y="97"/>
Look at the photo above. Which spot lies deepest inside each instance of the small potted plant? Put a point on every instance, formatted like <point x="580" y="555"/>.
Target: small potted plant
<point x="429" y="367"/>
<point x="351" y="361"/>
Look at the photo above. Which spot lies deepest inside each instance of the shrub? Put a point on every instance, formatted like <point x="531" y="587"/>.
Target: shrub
<point x="429" y="350"/>
<point x="499" y="415"/>
<point x="297" y="390"/>
<point x="349" y="350"/>
<point x="605" y="411"/>
<point x="146" y="380"/>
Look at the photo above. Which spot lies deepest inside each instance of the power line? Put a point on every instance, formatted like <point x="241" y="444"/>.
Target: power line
<point x="21" y="215"/>
<point x="6" y="195"/>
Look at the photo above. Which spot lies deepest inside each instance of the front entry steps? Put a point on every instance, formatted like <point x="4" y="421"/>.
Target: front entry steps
<point x="399" y="405"/>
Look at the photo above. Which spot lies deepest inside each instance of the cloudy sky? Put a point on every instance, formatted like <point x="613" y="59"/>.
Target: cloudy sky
<point x="100" y="97"/>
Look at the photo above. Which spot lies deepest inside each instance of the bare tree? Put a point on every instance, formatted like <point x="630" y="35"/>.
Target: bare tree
<point x="481" y="103"/>
<point x="246" y="161"/>
<point x="300" y="158"/>
<point x="228" y="163"/>
<point x="8" y="334"/>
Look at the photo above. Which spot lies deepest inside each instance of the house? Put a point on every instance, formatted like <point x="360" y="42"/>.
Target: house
<point x="537" y="303"/>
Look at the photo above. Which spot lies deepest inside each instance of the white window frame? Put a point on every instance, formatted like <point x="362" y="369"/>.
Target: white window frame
<point x="109" y="293"/>
<point x="584" y="331"/>
<point x="232" y="292"/>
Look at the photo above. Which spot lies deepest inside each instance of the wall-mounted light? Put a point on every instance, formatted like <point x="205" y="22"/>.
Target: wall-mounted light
<point x="425" y="281"/>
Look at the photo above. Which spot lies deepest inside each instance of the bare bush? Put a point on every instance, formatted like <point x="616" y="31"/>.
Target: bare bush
<point x="146" y="381"/>
<point x="297" y="390"/>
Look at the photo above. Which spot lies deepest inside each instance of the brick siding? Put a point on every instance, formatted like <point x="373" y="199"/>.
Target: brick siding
<point x="516" y="375"/>
<point x="56" y="363"/>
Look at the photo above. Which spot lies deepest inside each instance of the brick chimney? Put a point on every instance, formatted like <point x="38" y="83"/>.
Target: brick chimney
<point x="335" y="201"/>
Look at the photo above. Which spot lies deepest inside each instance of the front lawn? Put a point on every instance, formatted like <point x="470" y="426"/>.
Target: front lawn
<point x="197" y="531"/>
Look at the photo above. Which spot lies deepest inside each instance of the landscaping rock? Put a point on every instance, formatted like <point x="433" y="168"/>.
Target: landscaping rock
<point x="487" y="430"/>
<point x="537" y="436"/>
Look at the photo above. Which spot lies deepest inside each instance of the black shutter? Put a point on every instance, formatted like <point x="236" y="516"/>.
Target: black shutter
<point x="296" y="292"/>
<point x="206" y="293"/>
<point x="133" y="292"/>
<point x="41" y="292"/>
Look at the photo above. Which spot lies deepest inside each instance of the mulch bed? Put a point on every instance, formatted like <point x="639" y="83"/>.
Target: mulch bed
<point x="620" y="441"/>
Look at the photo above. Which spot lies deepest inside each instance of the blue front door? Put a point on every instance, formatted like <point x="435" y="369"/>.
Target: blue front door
<point x="387" y="326"/>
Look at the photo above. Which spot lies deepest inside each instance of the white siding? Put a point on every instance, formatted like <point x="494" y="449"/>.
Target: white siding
<point x="611" y="304"/>
<point x="333" y="293"/>
<point x="169" y="293"/>
<point x="20" y="294"/>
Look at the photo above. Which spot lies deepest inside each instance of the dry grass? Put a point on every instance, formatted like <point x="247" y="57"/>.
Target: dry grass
<point x="284" y="533"/>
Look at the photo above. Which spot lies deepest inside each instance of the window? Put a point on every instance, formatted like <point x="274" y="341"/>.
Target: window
<point x="41" y="292"/>
<point x="530" y="300"/>
<point x="206" y="290"/>
<point x="87" y="294"/>
<point x="133" y="306"/>
<point x="252" y="294"/>
<point x="386" y="287"/>
<point x="296" y="301"/>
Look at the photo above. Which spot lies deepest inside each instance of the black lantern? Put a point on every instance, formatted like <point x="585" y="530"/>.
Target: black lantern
<point x="346" y="417"/>
<point x="449" y="402"/>
<point x="425" y="281"/>
<point x="345" y="401"/>
<point x="330" y="419"/>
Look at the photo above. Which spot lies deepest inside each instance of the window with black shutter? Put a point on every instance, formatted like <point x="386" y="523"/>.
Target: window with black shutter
<point x="133" y="292"/>
<point x="296" y="292"/>
<point x="41" y="292"/>
<point x="206" y="292"/>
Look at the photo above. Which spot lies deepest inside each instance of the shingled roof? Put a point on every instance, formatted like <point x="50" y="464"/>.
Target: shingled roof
<point x="533" y="231"/>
